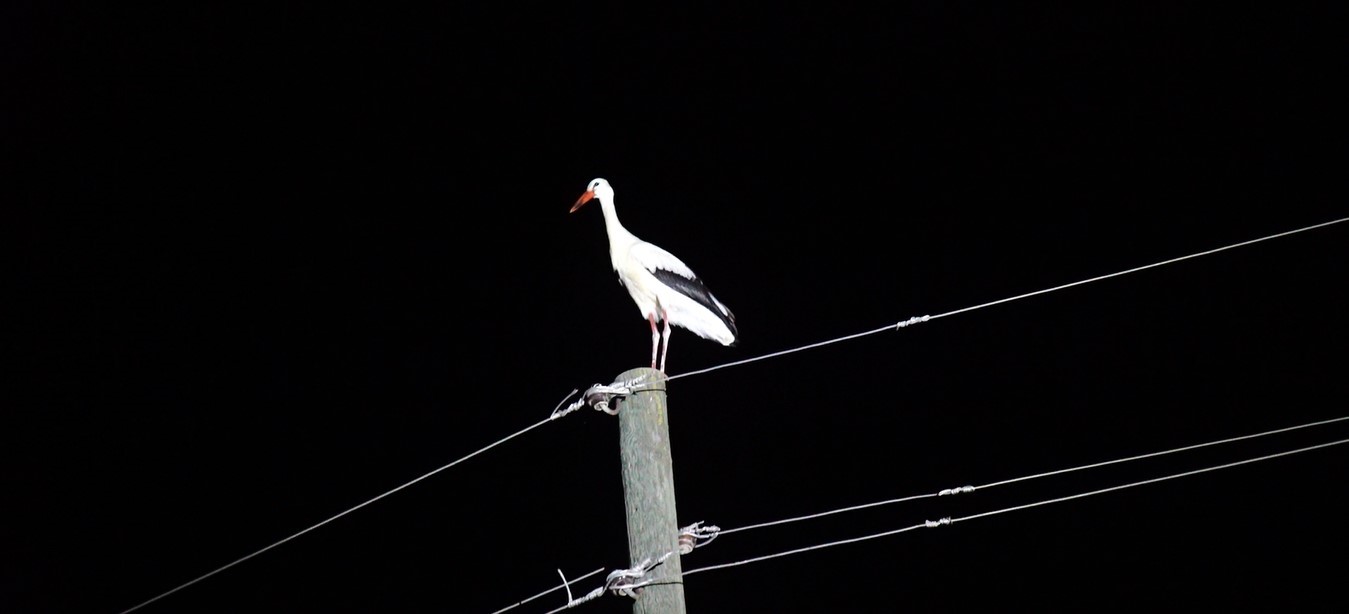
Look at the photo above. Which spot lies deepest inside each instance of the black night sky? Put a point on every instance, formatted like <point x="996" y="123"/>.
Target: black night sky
<point x="268" y="262"/>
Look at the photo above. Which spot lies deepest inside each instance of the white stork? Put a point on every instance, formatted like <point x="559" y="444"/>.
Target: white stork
<point x="664" y="288"/>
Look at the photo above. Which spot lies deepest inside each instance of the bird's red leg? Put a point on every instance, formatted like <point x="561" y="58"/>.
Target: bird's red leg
<point x="655" y="338"/>
<point x="665" y="346"/>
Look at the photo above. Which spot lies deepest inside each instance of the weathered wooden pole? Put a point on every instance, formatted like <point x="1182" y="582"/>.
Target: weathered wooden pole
<point x="648" y="492"/>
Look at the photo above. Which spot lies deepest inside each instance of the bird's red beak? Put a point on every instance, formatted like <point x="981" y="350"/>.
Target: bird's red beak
<point x="585" y="198"/>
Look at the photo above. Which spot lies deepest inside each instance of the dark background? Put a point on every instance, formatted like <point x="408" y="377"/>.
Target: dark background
<point x="275" y="260"/>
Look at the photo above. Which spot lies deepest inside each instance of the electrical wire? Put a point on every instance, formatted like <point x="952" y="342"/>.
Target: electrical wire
<point x="948" y="521"/>
<point x="921" y="319"/>
<point x="555" y="588"/>
<point x="964" y="489"/>
<point x="335" y="517"/>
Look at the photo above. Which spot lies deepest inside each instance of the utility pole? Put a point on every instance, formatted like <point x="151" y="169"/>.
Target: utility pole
<point x="648" y="492"/>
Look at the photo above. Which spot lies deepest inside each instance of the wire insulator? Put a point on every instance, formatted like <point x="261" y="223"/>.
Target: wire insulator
<point x="599" y="397"/>
<point x="686" y="542"/>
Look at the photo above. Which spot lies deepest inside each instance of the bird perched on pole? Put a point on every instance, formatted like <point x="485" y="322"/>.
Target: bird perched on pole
<point x="664" y="288"/>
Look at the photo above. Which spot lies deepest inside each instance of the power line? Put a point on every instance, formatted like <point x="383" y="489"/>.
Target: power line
<point x="921" y="319"/>
<point x="566" y="584"/>
<point x="965" y="489"/>
<point x="948" y="521"/>
<point x="598" y="402"/>
<point x="335" y="517"/>
<point x="828" y="513"/>
<point x="705" y="535"/>
<point x="1165" y="452"/>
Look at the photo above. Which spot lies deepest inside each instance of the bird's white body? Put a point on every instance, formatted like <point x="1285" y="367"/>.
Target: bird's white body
<point x="662" y="286"/>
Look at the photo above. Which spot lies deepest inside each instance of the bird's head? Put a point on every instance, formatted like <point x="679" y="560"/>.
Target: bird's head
<point x="598" y="188"/>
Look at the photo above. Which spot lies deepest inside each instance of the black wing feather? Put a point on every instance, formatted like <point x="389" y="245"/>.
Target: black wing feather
<point x="694" y="288"/>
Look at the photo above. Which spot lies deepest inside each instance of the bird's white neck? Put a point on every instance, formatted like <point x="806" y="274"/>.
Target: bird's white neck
<point x="619" y="237"/>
